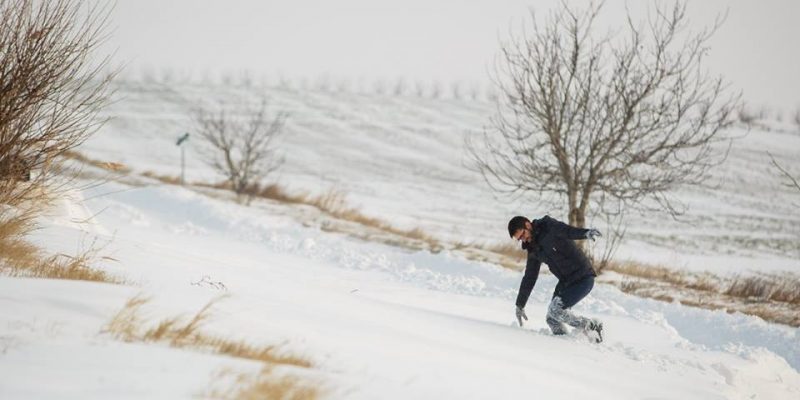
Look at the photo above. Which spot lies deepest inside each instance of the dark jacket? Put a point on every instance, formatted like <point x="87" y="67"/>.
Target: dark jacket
<point x="552" y="243"/>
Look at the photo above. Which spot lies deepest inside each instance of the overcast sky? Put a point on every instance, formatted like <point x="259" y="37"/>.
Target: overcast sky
<point x="758" y="48"/>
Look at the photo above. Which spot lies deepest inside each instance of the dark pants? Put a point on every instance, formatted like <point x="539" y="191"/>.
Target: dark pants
<point x="564" y="297"/>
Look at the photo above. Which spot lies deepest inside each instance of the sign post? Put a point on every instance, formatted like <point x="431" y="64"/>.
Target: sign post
<point x="181" y="140"/>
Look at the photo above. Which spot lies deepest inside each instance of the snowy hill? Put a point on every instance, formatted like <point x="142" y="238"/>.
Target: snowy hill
<point x="401" y="159"/>
<point x="380" y="321"/>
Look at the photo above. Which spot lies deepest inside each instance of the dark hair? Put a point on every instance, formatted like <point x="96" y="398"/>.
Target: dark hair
<point x="516" y="224"/>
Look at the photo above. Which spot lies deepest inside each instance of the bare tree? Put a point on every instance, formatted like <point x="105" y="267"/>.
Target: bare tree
<point x="796" y="119"/>
<point x="241" y="142"/>
<point x="436" y="89"/>
<point x="399" y="87"/>
<point x="419" y="88"/>
<point x="474" y="91"/>
<point x="380" y="87"/>
<point x="455" y="90"/>
<point x="746" y="116"/>
<point x="50" y="89"/>
<point x="791" y="181"/>
<point x="624" y="117"/>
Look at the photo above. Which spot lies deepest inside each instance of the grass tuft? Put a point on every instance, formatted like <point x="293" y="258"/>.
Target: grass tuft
<point x="783" y="288"/>
<point x="106" y="165"/>
<point x="22" y="259"/>
<point x="167" y="179"/>
<point x="510" y="250"/>
<point x="773" y="297"/>
<point x="181" y="332"/>
<point x="267" y="385"/>
<point x="129" y="325"/>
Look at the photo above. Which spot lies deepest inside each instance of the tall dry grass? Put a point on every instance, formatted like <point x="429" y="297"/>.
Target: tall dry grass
<point x="266" y="384"/>
<point x="20" y="258"/>
<point x="181" y="331"/>
<point x="783" y="288"/>
<point x="695" y="281"/>
<point x="15" y="252"/>
<point x="167" y="179"/>
<point x="510" y="250"/>
<point x="186" y="332"/>
<point x="106" y="165"/>
<point x="334" y="203"/>
<point x="773" y="297"/>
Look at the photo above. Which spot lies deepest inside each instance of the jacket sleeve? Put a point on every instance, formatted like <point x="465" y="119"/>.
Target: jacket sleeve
<point x="528" y="280"/>
<point x="561" y="229"/>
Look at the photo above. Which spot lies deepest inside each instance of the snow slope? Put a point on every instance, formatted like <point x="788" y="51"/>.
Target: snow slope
<point x="377" y="321"/>
<point x="401" y="159"/>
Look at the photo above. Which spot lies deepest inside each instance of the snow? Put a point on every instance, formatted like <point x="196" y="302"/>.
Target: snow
<point x="402" y="160"/>
<point x="380" y="321"/>
<point x="377" y="321"/>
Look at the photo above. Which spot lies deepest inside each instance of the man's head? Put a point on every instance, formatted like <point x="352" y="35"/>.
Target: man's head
<point x="519" y="228"/>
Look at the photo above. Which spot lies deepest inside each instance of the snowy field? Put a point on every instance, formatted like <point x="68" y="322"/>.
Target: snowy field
<point x="401" y="159"/>
<point x="379" y="321"/>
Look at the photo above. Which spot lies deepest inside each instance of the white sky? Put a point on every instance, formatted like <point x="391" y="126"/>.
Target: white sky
<point x="758" y="48"/>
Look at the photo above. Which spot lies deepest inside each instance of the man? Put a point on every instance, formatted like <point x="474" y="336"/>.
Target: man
<point x="551" y="241"/>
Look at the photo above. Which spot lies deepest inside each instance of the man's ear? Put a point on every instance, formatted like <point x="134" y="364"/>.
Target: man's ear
<point x="528" y="225"/>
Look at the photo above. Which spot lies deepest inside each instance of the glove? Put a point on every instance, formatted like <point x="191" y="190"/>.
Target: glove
<point x="593" y="234"/>
<point x="521" y="315"/>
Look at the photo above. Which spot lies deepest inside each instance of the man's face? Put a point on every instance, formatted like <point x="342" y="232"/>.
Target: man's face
<point x="523" y="235"/>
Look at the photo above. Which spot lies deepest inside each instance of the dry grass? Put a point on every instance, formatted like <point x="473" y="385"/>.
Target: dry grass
<point x="14" y="250"/>
<point x="62" y="266"/>
<point x="182" y="332"/>
<point x="334" y="203"/>
<point x="783" y="288"/>
<point x="23" y="259"/>
<point x="775" y="297"/>
<point x="185" y="332"/>
<point x="762" y="288"/>
<point x="106" y="165"/>
<point x="275" y="192"/>
<point x="167" y="179"/>
<point x="266" y="385"/>
<point x="695" y="281"/>
<point x="510" y="250"/>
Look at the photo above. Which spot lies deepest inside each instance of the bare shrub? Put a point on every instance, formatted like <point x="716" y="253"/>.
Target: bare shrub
<point x="241" y="142"/>
<point x="50" y="89"/>
<point x="627" y="117"/>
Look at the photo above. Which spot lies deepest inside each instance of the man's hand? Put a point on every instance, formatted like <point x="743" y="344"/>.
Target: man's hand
<point x="521" y="315"/>
<point x="593" y="234"/>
